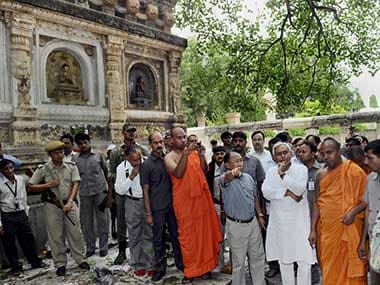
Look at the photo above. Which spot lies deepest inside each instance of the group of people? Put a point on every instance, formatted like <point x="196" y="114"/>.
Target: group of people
<point x="302" y="205"/>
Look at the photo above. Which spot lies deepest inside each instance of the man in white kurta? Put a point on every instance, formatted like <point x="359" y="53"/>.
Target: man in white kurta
<point x="289" y="225"/>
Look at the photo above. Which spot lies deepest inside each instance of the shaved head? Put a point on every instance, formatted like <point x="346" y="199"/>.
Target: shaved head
<point x="177" y="130"/>
<point x="331" y="142"/>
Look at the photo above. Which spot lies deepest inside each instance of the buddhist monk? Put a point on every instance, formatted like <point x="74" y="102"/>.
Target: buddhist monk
<point x="198" y="226"/>
<point x="337" y="218"/>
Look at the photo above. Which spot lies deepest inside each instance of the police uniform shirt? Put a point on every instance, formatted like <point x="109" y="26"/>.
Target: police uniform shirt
<point x="12" y="195"/>
<point x="124" y="185"/>
<point x="67" y="173"/>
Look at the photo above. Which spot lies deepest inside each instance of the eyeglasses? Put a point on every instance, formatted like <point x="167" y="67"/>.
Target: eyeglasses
<point x="282" y="153"/>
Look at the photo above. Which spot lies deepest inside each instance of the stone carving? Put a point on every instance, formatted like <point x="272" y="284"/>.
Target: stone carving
<point x="109" y="6"/>
<point x="4" y="134"/>
<point x="83" y="3"/>
<point x="174" y="91"/>
<point x="114" y="48"/>
<point x="133" y="6"/>
<point x="64" y="79"/>
<point x="152" y="11"/>
<point x="168" y="19"/>
<point x="23" y="88"/>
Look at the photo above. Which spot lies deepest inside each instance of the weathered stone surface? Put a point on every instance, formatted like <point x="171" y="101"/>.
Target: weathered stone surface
<point x="102" y="18"/>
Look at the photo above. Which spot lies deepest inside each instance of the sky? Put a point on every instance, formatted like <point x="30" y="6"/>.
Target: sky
<point x="365" y="83"/>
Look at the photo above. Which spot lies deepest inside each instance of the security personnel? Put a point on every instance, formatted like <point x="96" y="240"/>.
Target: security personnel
<point x="59" y="181"/>
<point x="117" y="157"/>
<point x="14" y="221"/>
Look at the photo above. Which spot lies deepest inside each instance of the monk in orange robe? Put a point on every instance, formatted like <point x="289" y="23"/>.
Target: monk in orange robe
<point x="338" y="211"/>
<point x="198" y="225"/>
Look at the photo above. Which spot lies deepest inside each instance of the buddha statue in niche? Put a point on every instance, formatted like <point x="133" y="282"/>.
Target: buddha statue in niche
<point x="64" y="79"/>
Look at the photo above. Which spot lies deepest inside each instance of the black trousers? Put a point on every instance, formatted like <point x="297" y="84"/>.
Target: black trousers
<point x="161" y="219"/>
<point x="16" y="225"/>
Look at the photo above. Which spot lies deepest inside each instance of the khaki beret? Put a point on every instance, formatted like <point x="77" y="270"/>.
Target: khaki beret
<point x="53" y="145"/>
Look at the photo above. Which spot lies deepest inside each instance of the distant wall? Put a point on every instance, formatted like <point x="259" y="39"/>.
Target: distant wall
<point x="310" y="124"/>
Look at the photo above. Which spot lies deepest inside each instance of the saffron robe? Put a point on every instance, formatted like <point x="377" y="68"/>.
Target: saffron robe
<point x="198" y="225"/>
<point x="340" y="190"/>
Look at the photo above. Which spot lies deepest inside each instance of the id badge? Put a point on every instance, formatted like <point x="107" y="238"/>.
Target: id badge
<point x="17" y="204"/>
<point x="311" y="185"/>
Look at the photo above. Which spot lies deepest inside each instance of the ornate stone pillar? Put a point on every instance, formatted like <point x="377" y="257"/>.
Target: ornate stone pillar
<point x="174" y="86"/>
<point x="25" y="127"/>
<point x="114" y="50"/>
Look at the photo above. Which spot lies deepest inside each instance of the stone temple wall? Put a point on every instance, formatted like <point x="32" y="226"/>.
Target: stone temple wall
<point x="90" y="64"/>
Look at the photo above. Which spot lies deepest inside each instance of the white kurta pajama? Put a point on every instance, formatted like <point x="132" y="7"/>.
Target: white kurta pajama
<point x="289" y="226"/>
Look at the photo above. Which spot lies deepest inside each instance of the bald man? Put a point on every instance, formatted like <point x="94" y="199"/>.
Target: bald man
<point x="339" y="192"/>
<point x="198" y="226"/>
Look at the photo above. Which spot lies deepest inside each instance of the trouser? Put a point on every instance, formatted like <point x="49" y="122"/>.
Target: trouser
<point x="374" y="277"/>
<point x="303" y="273"/>
<point x="60" y="228"/>
<point x="89" y="207"/>
<point x="245" y="239"/>
<point x="161" y="219"/>
<point x="222" y="244"/>
<point x="120" y="216"/>
<point x="140" y="234"/>
<point x="16" y="225"/>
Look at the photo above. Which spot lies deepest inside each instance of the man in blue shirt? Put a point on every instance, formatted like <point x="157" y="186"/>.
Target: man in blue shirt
<point x="241" y="207"/>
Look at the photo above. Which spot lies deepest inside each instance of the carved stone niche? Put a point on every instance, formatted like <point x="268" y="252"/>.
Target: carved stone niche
<point x="142" y="87"/>
<point x="64" y="79"/>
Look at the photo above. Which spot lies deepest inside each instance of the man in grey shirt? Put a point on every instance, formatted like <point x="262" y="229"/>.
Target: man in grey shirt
<point x="93" y="193"/>
<point x="372" y="198"/>
<point x="241" y="207"/>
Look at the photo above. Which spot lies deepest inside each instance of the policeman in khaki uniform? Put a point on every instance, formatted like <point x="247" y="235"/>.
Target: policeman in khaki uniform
<point x="60" y="181"/>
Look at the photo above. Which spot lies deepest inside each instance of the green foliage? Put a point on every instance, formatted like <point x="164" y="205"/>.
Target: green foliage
<point x="373" y="101"/>
<point x="360" y="127"/>
<point x="297" y="132"/>
<point x="205" y="90"/>
<point x="344" y="100"/>
<point x="327" y="130"/>
<point x="269" y="133"/>
<point x="305" y="50"/>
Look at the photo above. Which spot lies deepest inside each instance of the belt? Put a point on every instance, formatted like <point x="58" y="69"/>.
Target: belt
<point x="134" y="198"/>
<point x="240" y="221"/>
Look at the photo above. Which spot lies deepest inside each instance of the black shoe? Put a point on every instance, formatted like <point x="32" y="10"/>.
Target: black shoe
<point x="157" y="276"/>
<point x="121" y="257"/>
<point x="15" y="271"/>
<point x="39" y="265"/>
<point x="90" y="253"/>
<point x="103" y="253"/>
<point x="315" y="274"/>
<point x="271" y="272"/>
<point x="84" y="265"/>
<point x="61" y="271"/>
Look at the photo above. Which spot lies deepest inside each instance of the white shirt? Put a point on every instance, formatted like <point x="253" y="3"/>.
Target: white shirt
<point x="8" y="200"/>
<point x="289" y="224"/>
<point x="265" y="158"/>
<point x="69" y="156"/>
<point x="124" y="185"/>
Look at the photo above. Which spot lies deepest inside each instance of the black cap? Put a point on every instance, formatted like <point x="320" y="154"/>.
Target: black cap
<point x="128" y="128"/>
